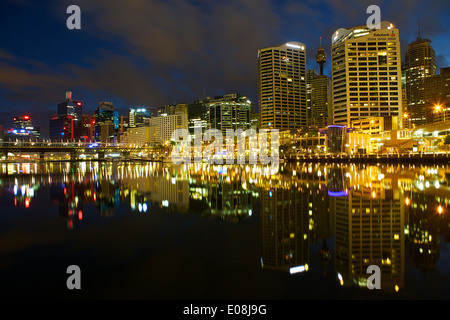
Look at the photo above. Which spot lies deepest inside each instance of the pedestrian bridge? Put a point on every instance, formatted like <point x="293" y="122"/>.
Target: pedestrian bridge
<point x="74" y="148"/>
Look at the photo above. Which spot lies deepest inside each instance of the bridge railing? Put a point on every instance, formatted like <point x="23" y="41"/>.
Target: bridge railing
<point x="63" y="144"/>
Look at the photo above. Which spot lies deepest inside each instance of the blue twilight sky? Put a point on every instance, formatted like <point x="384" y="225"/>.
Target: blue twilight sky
<point x="157" y="52"/>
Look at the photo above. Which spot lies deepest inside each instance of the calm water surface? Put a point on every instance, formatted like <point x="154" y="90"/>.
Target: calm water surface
<point x="153" y="231"/>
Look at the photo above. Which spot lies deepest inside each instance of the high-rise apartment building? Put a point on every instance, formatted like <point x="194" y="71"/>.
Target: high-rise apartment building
<point x="420" y="63"/>
<point x="282" y="87"/>
<point x="366" y="75"/>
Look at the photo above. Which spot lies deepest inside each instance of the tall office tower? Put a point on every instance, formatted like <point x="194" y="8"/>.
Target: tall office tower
<point x="437" y="95"/>
<point x="282" y="87"/>
<point x="420" y="63"/>
<point x="311" y="74"/>
<point x="321" y="94"/>
<point x="366" y="75"/>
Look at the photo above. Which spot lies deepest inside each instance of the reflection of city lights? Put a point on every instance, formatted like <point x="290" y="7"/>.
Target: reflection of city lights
<point x="440" y="209"/>
<point x="298" y="269"/>
<point x="341" y="280"/>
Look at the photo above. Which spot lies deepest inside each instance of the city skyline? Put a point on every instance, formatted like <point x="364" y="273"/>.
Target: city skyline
<point x="181" y="61"/>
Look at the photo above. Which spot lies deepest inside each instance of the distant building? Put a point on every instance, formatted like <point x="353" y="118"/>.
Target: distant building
<point x="137" y="136"/>
<point x="197" y="116"/>
<point x="437" y="95"/>
<point x="138" y="117"/>
<point x="420" y="63"/>
<point x="321" y="115"/>
<point x="311" y="74"/>
<point x="106" y="122"/>
<point x="87" y="127"/>
<point x="22" y="129"/>
<point x="228" y="112"/>
<point x="162" y="127"/>
<point x="67" y="123"/>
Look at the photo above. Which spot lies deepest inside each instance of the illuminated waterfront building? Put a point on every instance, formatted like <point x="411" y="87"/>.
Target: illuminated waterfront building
<point x="282" y="87"/>
<point x="366" y="75"/>
<point x="420" y="63"/>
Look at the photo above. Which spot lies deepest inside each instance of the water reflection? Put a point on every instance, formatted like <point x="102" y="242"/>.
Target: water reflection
<point x="356" y="215"/>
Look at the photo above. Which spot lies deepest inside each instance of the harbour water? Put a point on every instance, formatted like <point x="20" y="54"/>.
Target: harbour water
<point x="142" y="230"/>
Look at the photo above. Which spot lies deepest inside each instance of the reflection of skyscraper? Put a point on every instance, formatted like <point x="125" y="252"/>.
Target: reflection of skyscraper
<point x="285" y="229"/>
<point x="229" y="200"/>
<point x="424" y="228"/>
<point x="369" y="227"/>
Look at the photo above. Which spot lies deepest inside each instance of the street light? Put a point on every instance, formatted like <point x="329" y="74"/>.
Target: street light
<point x="437" y="108"/>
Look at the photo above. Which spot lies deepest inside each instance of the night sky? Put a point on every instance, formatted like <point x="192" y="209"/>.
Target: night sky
<point x="152" y="53"/>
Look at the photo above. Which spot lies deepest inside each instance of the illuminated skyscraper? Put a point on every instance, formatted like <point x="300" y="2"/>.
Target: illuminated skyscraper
<point x="420" y="63"/>
<point x="282" y="87"/>
<point x="366" y="75"/>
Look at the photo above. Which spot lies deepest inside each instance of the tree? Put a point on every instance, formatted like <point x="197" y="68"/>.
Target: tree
<point x="447" y="140"/>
